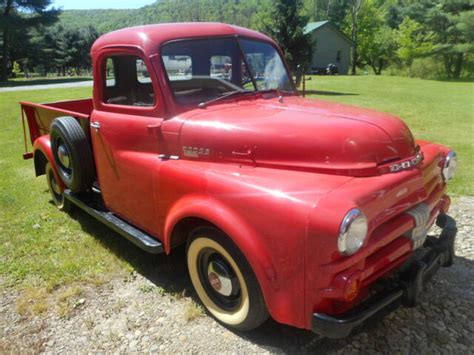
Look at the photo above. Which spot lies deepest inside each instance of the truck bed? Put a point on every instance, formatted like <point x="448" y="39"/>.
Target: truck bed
<point x="40" y="116"/>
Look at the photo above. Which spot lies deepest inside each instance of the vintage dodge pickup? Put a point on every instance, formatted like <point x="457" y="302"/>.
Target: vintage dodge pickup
<point x="311" y="212"/>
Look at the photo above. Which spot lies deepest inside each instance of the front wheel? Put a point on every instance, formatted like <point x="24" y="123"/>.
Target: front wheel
<point x="224" y="280"/>
<point x="56" y="192"/>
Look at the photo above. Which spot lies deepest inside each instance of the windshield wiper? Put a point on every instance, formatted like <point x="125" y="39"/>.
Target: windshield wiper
<point x="275" y="90"/>
<point x="226" y="95"/>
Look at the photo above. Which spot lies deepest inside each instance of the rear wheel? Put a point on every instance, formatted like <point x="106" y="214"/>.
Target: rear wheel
<point x="72" y="154"/>
<point x="224" y="280"/>
<point x="55" y="189"/>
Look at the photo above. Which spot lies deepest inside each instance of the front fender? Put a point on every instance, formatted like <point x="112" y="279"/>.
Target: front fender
<point x="264" y="211"/>
<point x="215" y="212"/>
<point x="248" y="242"/>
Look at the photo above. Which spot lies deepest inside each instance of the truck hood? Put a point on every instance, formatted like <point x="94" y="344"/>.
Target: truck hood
<point x="297" y="133"/>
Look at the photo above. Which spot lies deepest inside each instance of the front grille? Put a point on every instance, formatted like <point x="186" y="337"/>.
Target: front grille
<point x="421" y="215"/>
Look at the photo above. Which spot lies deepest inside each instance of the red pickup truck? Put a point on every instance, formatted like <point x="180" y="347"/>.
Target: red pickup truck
<point x="311" y="212"/>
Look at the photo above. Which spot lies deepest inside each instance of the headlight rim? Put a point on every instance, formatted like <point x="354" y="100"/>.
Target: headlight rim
<point x="450" y="157"/>
<point x="342" y="241"/>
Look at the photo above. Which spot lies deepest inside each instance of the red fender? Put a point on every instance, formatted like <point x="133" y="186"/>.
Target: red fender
<point x="43" y="145"/>
<point x="246" y="239"/>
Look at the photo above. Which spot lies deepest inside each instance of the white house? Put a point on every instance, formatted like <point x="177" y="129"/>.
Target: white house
<point x="331" y="46"/>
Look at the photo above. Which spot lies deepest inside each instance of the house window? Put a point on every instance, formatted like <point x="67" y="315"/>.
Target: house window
<point x="338" y="57"/>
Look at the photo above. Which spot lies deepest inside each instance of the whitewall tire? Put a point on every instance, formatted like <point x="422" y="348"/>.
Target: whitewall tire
<point x="224" y="280"/>
<point x="57" y="194"/>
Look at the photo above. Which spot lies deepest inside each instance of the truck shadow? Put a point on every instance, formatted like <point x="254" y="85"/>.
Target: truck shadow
<point x="329" y="93"/>
<point x="170" y="273"/>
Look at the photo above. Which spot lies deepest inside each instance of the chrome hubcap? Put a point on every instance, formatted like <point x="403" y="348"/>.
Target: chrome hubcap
<point x="63" y="156"/>
<point x="219" y="278"/>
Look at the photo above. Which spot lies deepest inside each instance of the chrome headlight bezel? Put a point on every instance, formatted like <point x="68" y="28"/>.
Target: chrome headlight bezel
<point x="450" y="165"/>
<point x="353" y="232"/>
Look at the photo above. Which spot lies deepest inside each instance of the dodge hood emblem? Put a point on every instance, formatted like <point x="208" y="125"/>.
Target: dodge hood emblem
<point x="407" y="164"/>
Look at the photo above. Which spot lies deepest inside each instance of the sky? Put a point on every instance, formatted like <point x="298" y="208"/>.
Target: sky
<point x="101" y="4"/>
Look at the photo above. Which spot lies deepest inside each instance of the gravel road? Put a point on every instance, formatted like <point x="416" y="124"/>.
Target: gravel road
<point x="155" y="311"/>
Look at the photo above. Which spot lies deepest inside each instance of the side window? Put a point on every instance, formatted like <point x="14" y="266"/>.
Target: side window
<point x="338" y="57"/>
<point x="221" y="67"/>
<point x="127" y="82"/>
<point x="109" y="73"/>
<point x="143" y="76"/>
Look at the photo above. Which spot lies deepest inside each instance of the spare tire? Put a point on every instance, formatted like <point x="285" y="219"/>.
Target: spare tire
<point x="72" y="154"/>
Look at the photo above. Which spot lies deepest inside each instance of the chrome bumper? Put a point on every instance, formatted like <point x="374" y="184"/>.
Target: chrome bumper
<point x="404" y="290"/>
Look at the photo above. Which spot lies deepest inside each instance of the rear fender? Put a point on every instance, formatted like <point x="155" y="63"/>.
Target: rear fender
<point x="43" y="154"/>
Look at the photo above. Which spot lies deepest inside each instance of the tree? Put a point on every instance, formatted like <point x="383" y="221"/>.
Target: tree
<point x="450" y="24"/>
<point x="412" y="42"/>
<point x="355" y="6"/>
<point x="332" y="10"/>
<point x="60" y="49"/>
<point x="337" y="11"/>
<point x="18" y="17"/>
<point x="378" y="50"/>
<point x="285" y="23"/>
<point x="376" y="45"/>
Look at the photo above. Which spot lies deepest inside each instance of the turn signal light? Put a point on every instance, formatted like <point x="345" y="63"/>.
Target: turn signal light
<point x="352" y="289"/>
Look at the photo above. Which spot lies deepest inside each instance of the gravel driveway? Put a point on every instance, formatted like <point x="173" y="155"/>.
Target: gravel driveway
<point x="155" y="311"/>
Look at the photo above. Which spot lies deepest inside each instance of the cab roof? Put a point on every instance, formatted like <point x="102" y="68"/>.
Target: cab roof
<point x="150" y="37"/>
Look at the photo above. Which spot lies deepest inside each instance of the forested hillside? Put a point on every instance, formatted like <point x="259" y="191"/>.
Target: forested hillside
<point x="243" y="13"/>
<point x="102" y="20"/>
<point x="423" y="38"/>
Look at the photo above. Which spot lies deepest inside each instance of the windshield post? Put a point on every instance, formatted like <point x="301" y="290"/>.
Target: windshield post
<point x="246" y="64"/>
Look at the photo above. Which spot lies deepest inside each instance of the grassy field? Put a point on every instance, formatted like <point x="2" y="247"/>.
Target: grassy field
<point x="46" y="252"/>
<point x="43" y="81"/>
<point x="42" y="251"/>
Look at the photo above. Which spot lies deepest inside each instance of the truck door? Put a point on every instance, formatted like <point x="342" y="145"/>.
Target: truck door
<point x="125" y="136"/>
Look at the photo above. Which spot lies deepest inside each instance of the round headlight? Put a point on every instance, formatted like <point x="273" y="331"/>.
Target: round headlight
<point x="353" y="232"/>
<point x="450" y="165"/>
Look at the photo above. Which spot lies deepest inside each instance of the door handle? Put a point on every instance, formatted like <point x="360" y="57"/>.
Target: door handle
<point x="95" y="125"/>
<point x="244" y="153"/>
<point x="153" y="128"/>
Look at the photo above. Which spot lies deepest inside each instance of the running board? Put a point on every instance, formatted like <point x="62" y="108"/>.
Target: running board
<point x="91" y="204"/>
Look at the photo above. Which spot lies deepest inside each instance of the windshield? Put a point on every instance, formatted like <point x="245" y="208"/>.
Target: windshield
<point x="202" y="70"/>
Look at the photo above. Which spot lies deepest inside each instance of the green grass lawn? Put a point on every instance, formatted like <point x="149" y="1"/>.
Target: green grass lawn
<point x="43" y="250"/>
<point x="437" y="111"/>
<point x="43" y="81"/>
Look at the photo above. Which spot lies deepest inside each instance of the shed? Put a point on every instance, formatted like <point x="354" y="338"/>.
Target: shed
<point x="331" y="46"/>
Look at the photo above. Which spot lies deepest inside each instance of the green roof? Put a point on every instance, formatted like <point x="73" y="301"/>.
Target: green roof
<point x="310" y="27"/>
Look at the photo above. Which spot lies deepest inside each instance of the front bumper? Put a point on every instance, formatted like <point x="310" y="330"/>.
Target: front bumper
<point x="405" y="289"/>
